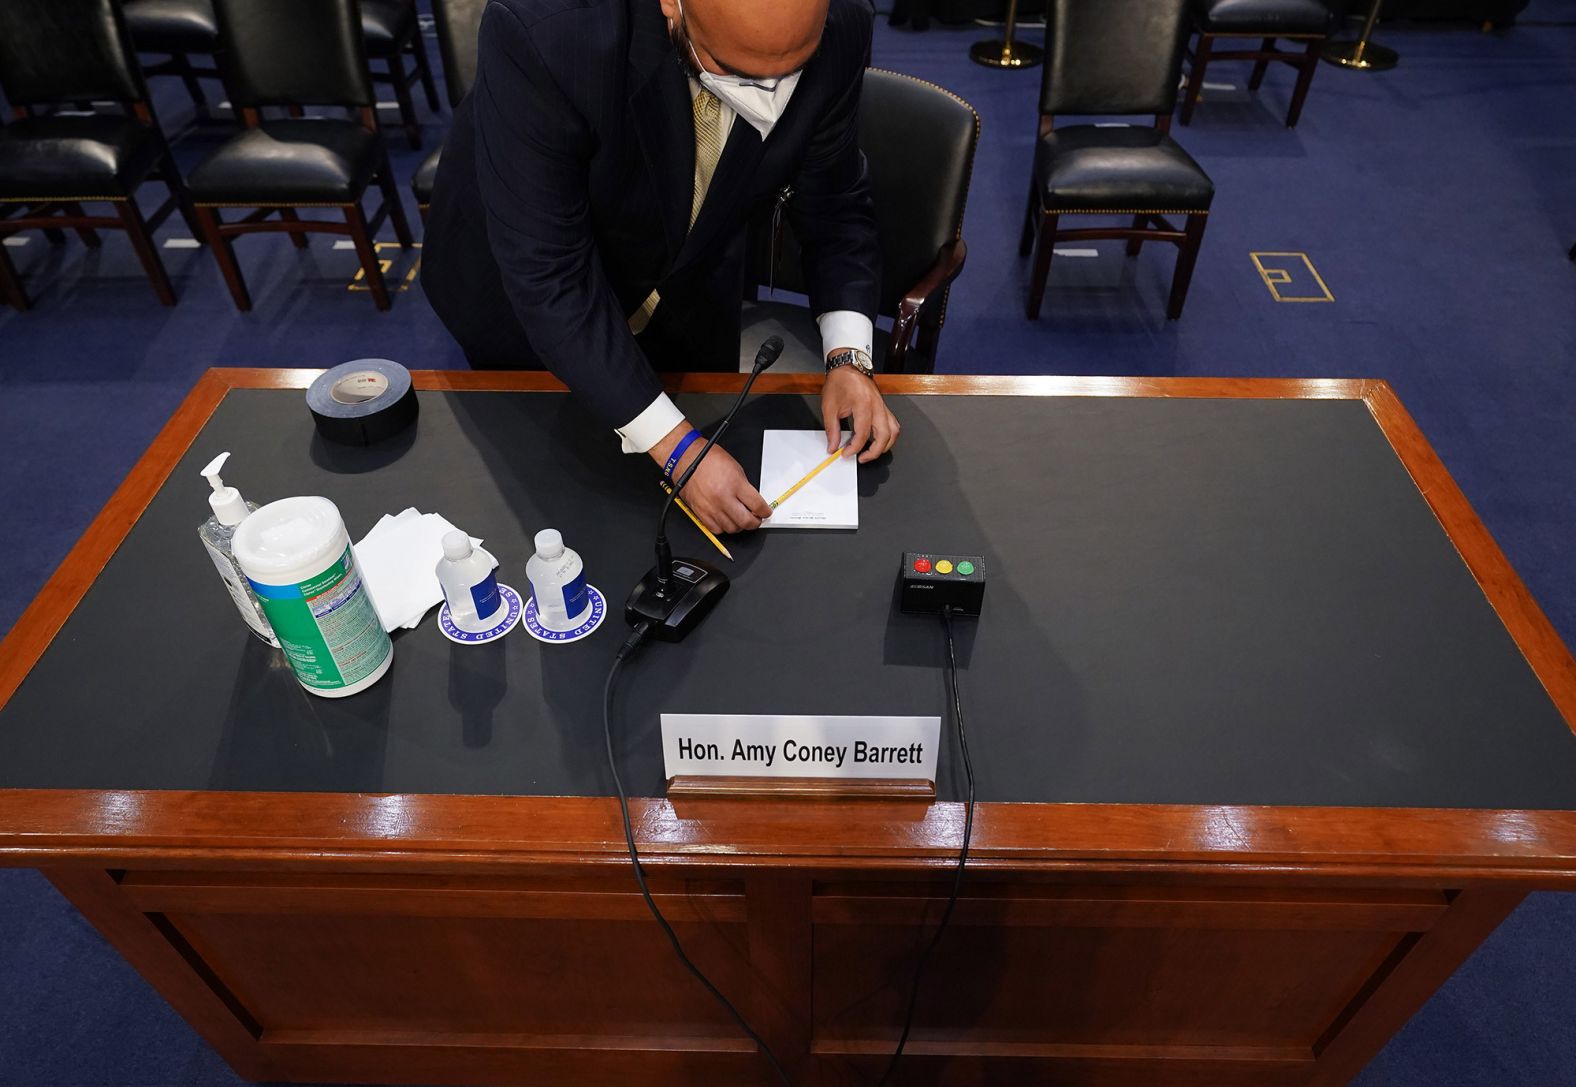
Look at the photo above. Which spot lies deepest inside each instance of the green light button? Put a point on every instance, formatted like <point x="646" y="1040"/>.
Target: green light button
<point x="965" y="567"/>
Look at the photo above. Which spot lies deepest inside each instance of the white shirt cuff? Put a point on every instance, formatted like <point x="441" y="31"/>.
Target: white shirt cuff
<point x="650" y="426"/>
<point x="845" y="328"/>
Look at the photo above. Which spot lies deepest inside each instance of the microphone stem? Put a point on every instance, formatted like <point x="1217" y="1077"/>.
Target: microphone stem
<point x="664" y="553"/>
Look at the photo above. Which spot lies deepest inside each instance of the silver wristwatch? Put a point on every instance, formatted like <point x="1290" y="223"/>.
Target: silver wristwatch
<point x="857" y="359"/>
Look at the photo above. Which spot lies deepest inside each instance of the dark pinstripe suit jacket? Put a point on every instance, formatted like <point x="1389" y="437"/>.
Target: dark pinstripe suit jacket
<point x="565" y="188"/>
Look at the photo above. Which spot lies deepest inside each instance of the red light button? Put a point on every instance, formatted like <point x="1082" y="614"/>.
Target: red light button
<point x="921" y="566"/>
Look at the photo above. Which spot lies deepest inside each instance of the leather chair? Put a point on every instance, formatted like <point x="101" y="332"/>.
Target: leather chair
<point x="66" y="51"/>
<point x="1113" y="58"/>
<point x="919" y="142"/>
<point x="179" y="29"/>
<point x="392" y="32"/>
<point x="459" y="22"/>
<point x="1304" y="21"/>
<point x="294" y="54"/>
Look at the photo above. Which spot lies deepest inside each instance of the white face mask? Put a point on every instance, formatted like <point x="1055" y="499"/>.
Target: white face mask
<point x="760" y="102"/>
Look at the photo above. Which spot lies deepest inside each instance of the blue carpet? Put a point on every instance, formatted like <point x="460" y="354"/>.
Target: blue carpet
<point x="1435" y="202"/>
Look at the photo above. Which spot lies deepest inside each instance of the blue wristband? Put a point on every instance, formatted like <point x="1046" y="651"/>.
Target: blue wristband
<point x="678" y="452"/>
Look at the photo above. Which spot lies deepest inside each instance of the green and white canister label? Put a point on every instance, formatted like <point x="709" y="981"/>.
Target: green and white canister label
<point x="327" y="626"/>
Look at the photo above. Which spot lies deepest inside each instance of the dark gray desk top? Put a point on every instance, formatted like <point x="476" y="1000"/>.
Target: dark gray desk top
<point x="1193" y="601"/>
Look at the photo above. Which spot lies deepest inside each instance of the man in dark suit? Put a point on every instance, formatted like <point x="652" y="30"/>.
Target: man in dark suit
<point x="589" y="213"/>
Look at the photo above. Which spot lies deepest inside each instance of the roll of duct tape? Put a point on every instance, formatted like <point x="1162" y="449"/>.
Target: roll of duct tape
<point x="362" y="401"/>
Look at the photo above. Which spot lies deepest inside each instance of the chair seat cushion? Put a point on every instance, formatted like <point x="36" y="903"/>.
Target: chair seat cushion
<point x="82" y="157"/>
<point x="426" y="174"/>
<point x="386" y="24"/>
<point x="1128" y="168"/>
<point x="1262" y="16"/>
<point x="173" y="26"/>
<point x="310" y="160"/>
<point x="801" y="337"/>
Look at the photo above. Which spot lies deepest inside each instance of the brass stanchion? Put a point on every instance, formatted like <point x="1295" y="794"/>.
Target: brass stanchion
<point x="1363" y="53"/>
<point x="1006" y="53"/>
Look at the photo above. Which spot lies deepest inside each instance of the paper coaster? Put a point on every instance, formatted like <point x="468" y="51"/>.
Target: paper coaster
<point x="511" y="615"/>
<point x="592" y="621"/>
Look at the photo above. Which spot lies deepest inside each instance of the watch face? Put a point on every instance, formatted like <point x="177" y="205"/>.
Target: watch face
<point x="857" y="359"/>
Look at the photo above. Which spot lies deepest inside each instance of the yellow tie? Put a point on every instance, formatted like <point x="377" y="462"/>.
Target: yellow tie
<point x="708" y="149"/>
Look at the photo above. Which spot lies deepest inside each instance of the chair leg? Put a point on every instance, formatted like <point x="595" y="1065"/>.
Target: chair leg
<point x="142" y="242"/>
<point x="1026" y="240"/>
<point x="1260" y="67"/>
<point x="396" y="206"/>
<point x="1042" y="265"/>
<point x="89" y="236"/>
<point x="224" y="253"/>
<point x="11" y="292"/>
<point x="55" y="235"/>
<point x="407" y="107"/>
<point x="1187" y="254"/>
<point x="1134" y="244"/>
<point x="183" y="201"/>
<point x="183" y="66"/>
<point x="1195" y="77"/>
<point x="368" y="254"/>
<point x="297" y="238"/>
<point x="418" y="50"/>
<point x="1310" y="62"/>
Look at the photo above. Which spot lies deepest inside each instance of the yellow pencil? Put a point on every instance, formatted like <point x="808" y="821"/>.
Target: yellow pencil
<point x="817" y="470"/>
<point x="679" y="502"/>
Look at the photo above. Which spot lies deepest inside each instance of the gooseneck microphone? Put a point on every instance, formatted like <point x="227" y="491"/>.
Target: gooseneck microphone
<point x="676" y="595"/>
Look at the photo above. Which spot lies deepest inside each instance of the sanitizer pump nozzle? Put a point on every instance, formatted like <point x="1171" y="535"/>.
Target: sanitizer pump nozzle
<point x="218" y="536"/>
<point x="228" y="505"/>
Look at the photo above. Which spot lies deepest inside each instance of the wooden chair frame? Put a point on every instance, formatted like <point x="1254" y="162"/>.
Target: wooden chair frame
<point x="181" y="66"/>
<point x="55" y="215"/>
<point x="219" y="234"/>
<point x="402" y="81"/>
<point x="1149" y="225"/>
<point x="1205" y="53"/>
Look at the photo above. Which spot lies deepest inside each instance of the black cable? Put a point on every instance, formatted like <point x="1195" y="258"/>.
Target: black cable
<point x="635" y="641"/>
<point x="963" y="854"/>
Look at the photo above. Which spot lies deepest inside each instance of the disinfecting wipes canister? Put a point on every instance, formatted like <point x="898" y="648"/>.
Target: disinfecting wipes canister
<point x="297" y="556"/>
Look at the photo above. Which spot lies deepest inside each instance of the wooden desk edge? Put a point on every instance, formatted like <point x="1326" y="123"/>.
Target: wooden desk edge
<point x="50" y="826"/>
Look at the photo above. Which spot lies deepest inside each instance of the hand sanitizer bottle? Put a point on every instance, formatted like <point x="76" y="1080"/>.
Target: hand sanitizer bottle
<point x="217" y="534"/>
<point x="558" y="582"/>
<point x="469" y="585"/>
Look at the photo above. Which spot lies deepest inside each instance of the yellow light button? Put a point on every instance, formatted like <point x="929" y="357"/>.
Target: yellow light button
<point x="943" y="567"/>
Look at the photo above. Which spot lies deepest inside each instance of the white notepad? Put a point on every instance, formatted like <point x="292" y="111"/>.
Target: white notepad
<point x="830" y="500"/>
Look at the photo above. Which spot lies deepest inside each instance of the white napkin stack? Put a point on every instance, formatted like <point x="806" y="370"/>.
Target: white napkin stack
<point x="399" y="561"/>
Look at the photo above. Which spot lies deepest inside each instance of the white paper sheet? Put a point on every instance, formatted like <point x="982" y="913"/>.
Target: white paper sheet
<point x="398" y="560"/>
<point x="830" y="500"/>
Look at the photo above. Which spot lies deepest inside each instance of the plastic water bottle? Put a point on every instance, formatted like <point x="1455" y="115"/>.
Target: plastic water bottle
<point x="469" y="584"/>
<point x="558" y="582"/>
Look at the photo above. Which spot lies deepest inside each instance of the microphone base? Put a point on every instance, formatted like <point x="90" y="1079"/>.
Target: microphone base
<point x="693" y="589"/>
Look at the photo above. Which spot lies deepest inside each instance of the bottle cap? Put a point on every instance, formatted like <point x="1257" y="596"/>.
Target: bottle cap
<point x="456" y="545"/>
<point x="549" y="544"/>
<point x="228" y="505"/>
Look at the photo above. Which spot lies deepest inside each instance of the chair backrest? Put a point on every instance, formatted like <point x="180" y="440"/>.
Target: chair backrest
<point x="459" y="22"/>
<point x="919" y="143"/>
<point x="293" y="52"/>
<point x="67" y="51"/>
<point x="1112" y="57"/>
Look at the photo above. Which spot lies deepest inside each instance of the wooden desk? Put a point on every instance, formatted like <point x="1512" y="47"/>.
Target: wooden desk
<point x="415" y="937"/>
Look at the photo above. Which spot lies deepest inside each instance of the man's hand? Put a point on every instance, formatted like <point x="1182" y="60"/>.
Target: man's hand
<point x="848" y="392"/>
<point x="719" y="492"/>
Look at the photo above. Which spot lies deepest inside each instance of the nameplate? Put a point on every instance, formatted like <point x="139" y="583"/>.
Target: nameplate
<point x="767" y="746"/>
